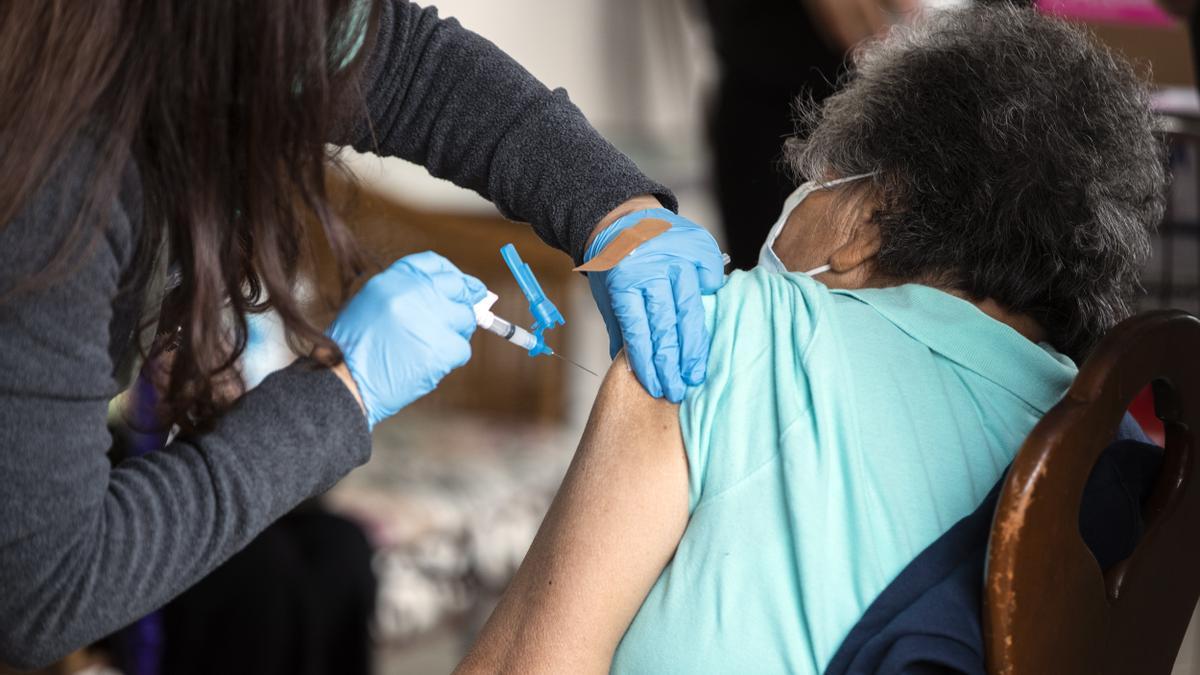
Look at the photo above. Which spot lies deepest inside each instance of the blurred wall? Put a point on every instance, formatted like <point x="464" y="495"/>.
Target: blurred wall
<point x="628" y="64"/>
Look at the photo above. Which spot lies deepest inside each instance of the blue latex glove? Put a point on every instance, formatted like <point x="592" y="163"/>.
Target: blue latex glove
<point x="651" y="301"/>
<point x="407" y="328"/>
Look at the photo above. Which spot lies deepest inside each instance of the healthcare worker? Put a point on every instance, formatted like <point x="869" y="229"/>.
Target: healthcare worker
<point x="138" y="136"/>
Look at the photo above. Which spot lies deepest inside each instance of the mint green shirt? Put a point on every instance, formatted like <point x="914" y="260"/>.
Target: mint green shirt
<point x="838" y="434"/>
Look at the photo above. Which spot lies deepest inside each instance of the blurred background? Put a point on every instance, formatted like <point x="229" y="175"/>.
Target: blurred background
<point x="697" y="92"/>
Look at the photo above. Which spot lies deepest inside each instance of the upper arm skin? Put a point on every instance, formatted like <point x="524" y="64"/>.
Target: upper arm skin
<point x="613" y="527"/>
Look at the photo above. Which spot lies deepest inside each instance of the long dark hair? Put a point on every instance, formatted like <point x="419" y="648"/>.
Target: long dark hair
<point x="225" y="106"/>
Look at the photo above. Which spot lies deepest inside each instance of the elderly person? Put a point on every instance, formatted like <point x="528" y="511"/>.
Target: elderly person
<point x="991" y="177"/>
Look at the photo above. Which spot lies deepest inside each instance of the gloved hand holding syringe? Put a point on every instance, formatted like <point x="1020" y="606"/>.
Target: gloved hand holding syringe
<point x="545" y="314"/>
<point x="411" y="324"/>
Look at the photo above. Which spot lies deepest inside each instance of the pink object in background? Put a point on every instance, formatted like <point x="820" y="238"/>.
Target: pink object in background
<point x="1116" y="11"/>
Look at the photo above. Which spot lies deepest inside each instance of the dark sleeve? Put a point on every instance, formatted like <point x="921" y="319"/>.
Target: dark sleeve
<point x="86" y="548"/>
<point x="441" y="96"/>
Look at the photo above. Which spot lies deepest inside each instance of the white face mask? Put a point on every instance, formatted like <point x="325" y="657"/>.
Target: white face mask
<point x="767" y="259"/>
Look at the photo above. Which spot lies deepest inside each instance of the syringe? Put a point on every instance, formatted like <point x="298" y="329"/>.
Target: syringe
<point x="487" y="320"/>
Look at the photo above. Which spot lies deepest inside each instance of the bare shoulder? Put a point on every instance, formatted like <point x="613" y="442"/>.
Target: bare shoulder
<point x="624" y="408"/>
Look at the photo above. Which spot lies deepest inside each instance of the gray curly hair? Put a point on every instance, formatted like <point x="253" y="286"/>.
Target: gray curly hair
<point x="1016" y="160"/>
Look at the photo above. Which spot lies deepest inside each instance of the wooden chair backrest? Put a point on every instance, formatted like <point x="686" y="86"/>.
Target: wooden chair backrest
<point x="1048" y="607"/>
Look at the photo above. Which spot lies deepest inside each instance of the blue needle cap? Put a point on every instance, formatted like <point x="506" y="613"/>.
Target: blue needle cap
<point x="545" y="314"/>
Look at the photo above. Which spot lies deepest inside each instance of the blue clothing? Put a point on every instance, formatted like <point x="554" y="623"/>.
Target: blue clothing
<point x="929" y="620"/>
<point x="838" y="434"/>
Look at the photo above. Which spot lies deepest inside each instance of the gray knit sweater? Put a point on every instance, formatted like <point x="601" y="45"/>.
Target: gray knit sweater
<point x="86" y="548"/>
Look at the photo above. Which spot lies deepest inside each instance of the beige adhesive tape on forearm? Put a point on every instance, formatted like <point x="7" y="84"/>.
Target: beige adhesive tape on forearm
<point x="624" y="243"/>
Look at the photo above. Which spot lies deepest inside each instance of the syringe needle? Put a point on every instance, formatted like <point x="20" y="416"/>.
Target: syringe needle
<point x="575" y="364"/>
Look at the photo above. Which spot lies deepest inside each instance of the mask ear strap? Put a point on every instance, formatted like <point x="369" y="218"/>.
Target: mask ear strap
<point x="847" y="179"/>
<point x="834" y="183"/>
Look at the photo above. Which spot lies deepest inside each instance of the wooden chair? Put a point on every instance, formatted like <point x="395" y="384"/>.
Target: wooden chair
<point x="1048" y="608"/>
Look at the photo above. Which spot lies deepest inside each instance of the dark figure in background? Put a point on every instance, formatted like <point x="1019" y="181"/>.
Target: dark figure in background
<point x="769" y="52"/>
<point x="297" y="600"/>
